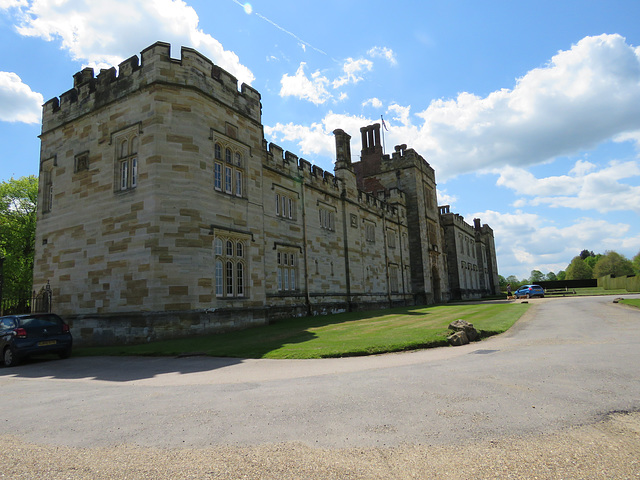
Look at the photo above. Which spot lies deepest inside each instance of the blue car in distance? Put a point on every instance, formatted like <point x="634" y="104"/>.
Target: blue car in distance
<point x="529" y="291"/>
<point x="33" y="334"/>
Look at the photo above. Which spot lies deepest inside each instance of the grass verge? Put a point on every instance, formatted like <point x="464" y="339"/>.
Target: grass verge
<point x="340" y="335"/>
<point x="635" y="302"/>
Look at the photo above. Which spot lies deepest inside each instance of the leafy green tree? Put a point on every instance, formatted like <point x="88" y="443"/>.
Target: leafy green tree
<point x="513" y="280"/>
<point x="612" y="263"/>
<point x="18" y="200"/>
<point x="578" y="270"/>
<point x="584" y="254"/>
<point x="592" y="260"/>
<point x="536" y="276"/>
<point x="636" y="263"/>
<point x="551" y="277"/>
<point x="562" y="275"/>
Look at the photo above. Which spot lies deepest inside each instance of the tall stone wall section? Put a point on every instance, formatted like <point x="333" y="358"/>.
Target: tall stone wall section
<point x="332" y="257"/>
<point x="410" y="173"/>
<point x="470" y="253"/>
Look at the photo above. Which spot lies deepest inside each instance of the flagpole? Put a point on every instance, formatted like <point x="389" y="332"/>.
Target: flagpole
<point x="382" y="125"/>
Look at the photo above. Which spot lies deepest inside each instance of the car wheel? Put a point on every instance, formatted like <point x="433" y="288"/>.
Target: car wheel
<point x="9" y="357"/>
<point x="527" y="296"/>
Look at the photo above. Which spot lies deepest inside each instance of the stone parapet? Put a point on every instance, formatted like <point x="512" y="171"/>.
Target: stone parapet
<point x="454" y="219"/>
<point x="192" y="70"/>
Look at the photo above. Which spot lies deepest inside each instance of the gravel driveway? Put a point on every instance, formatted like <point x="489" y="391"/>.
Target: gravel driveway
<point x="555" y="397"/>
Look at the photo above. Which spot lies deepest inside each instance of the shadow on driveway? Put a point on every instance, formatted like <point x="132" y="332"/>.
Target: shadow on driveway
<point x="114" y="369"/>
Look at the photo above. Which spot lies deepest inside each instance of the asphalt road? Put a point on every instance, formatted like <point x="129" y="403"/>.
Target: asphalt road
<point x="567" y="362"/>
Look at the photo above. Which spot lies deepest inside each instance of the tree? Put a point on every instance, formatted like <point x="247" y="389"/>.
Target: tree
<point x="636" y="263"/>
<point x="513" y="280"/>
<point x="551" y="277"/>
<point x="584" y="254"/>
<point x="578" y="270"/>
<point x="536" y="276"/>
<point x="612" y="263"/>
<point x="562" y="275"/>
<point x="18" y="200"/>
<point x="592" y="260"/>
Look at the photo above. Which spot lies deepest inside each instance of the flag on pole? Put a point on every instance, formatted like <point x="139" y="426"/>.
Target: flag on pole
<point x="384" y="125"/>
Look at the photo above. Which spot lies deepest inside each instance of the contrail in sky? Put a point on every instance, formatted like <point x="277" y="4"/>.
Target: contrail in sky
<point x="247" y="8"/>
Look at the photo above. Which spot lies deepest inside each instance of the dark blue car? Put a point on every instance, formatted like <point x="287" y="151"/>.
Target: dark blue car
<point x="529" y="291"/>
<point x="33" y="334"/>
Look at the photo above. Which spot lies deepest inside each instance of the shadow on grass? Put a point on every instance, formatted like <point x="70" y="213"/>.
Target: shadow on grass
<point x="391" y="330"/>
<point x="259" y="342"/>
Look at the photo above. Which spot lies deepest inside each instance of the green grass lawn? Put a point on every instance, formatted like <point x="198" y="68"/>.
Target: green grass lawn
<point x="340" y="335"/>
<point x="631" y="301"/>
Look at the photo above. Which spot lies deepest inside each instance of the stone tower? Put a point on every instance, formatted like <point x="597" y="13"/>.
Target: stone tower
<point x="410" y="173"/>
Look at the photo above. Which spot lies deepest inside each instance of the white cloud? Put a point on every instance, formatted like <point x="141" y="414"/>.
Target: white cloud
<point x="582" y="167"/>
<point x="401" y="114"/>
<point x="352" y="71"/>
<point x="313" y="89"/>
<point x="586" y="189"/>
<point x="105" y="33"/>
<point x="318" y="138"/>
<point x="629" y="137"/>
<point x="583" y="97"/>
<point x="18" y="103"/>
<point x="445" y="199"/>
<point x="383" y="52"/>
<point x="374" y="102"/>
<point x="525" y="242"/>
<point x="7" y="4"/>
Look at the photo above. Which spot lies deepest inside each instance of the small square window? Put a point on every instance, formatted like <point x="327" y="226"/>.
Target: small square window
<point x="81" y="162"/>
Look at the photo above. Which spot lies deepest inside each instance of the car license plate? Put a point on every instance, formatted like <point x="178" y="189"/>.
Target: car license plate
<point x="47" y="342"/>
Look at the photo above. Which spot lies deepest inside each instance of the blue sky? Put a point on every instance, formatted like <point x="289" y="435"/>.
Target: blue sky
<point x="528" y="111"/>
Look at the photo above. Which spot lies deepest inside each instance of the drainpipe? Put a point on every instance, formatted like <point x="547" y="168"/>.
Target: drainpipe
<point x="347" y="269"/>
<point x="307" y="296"/>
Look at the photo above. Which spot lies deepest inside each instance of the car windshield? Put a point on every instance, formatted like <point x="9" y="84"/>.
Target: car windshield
<point x="40" y="321"/>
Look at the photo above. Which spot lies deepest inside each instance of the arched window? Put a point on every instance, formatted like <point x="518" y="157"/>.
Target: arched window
<point x="239" y="279"/>
<point x="229" y="279"/>
<point x="219" y="277"/>
<point x="124" y="149"/>
<point x="228" y="173"/>
<point x="286" y="274"/>
<point x="127" y="162"/>
<point x="230" y="267"/>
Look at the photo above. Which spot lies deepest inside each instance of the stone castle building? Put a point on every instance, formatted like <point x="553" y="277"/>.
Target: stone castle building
<point x="163" y="212"/>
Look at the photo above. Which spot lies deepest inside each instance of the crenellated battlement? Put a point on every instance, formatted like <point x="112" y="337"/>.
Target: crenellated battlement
<point x="449" y="218"/>
<point x="154" y="66"/>
<point x="388" y="200"/>
<point x="482" y="229"/>
<point x="403" y="156"/>
<point x="290" y="164"/>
